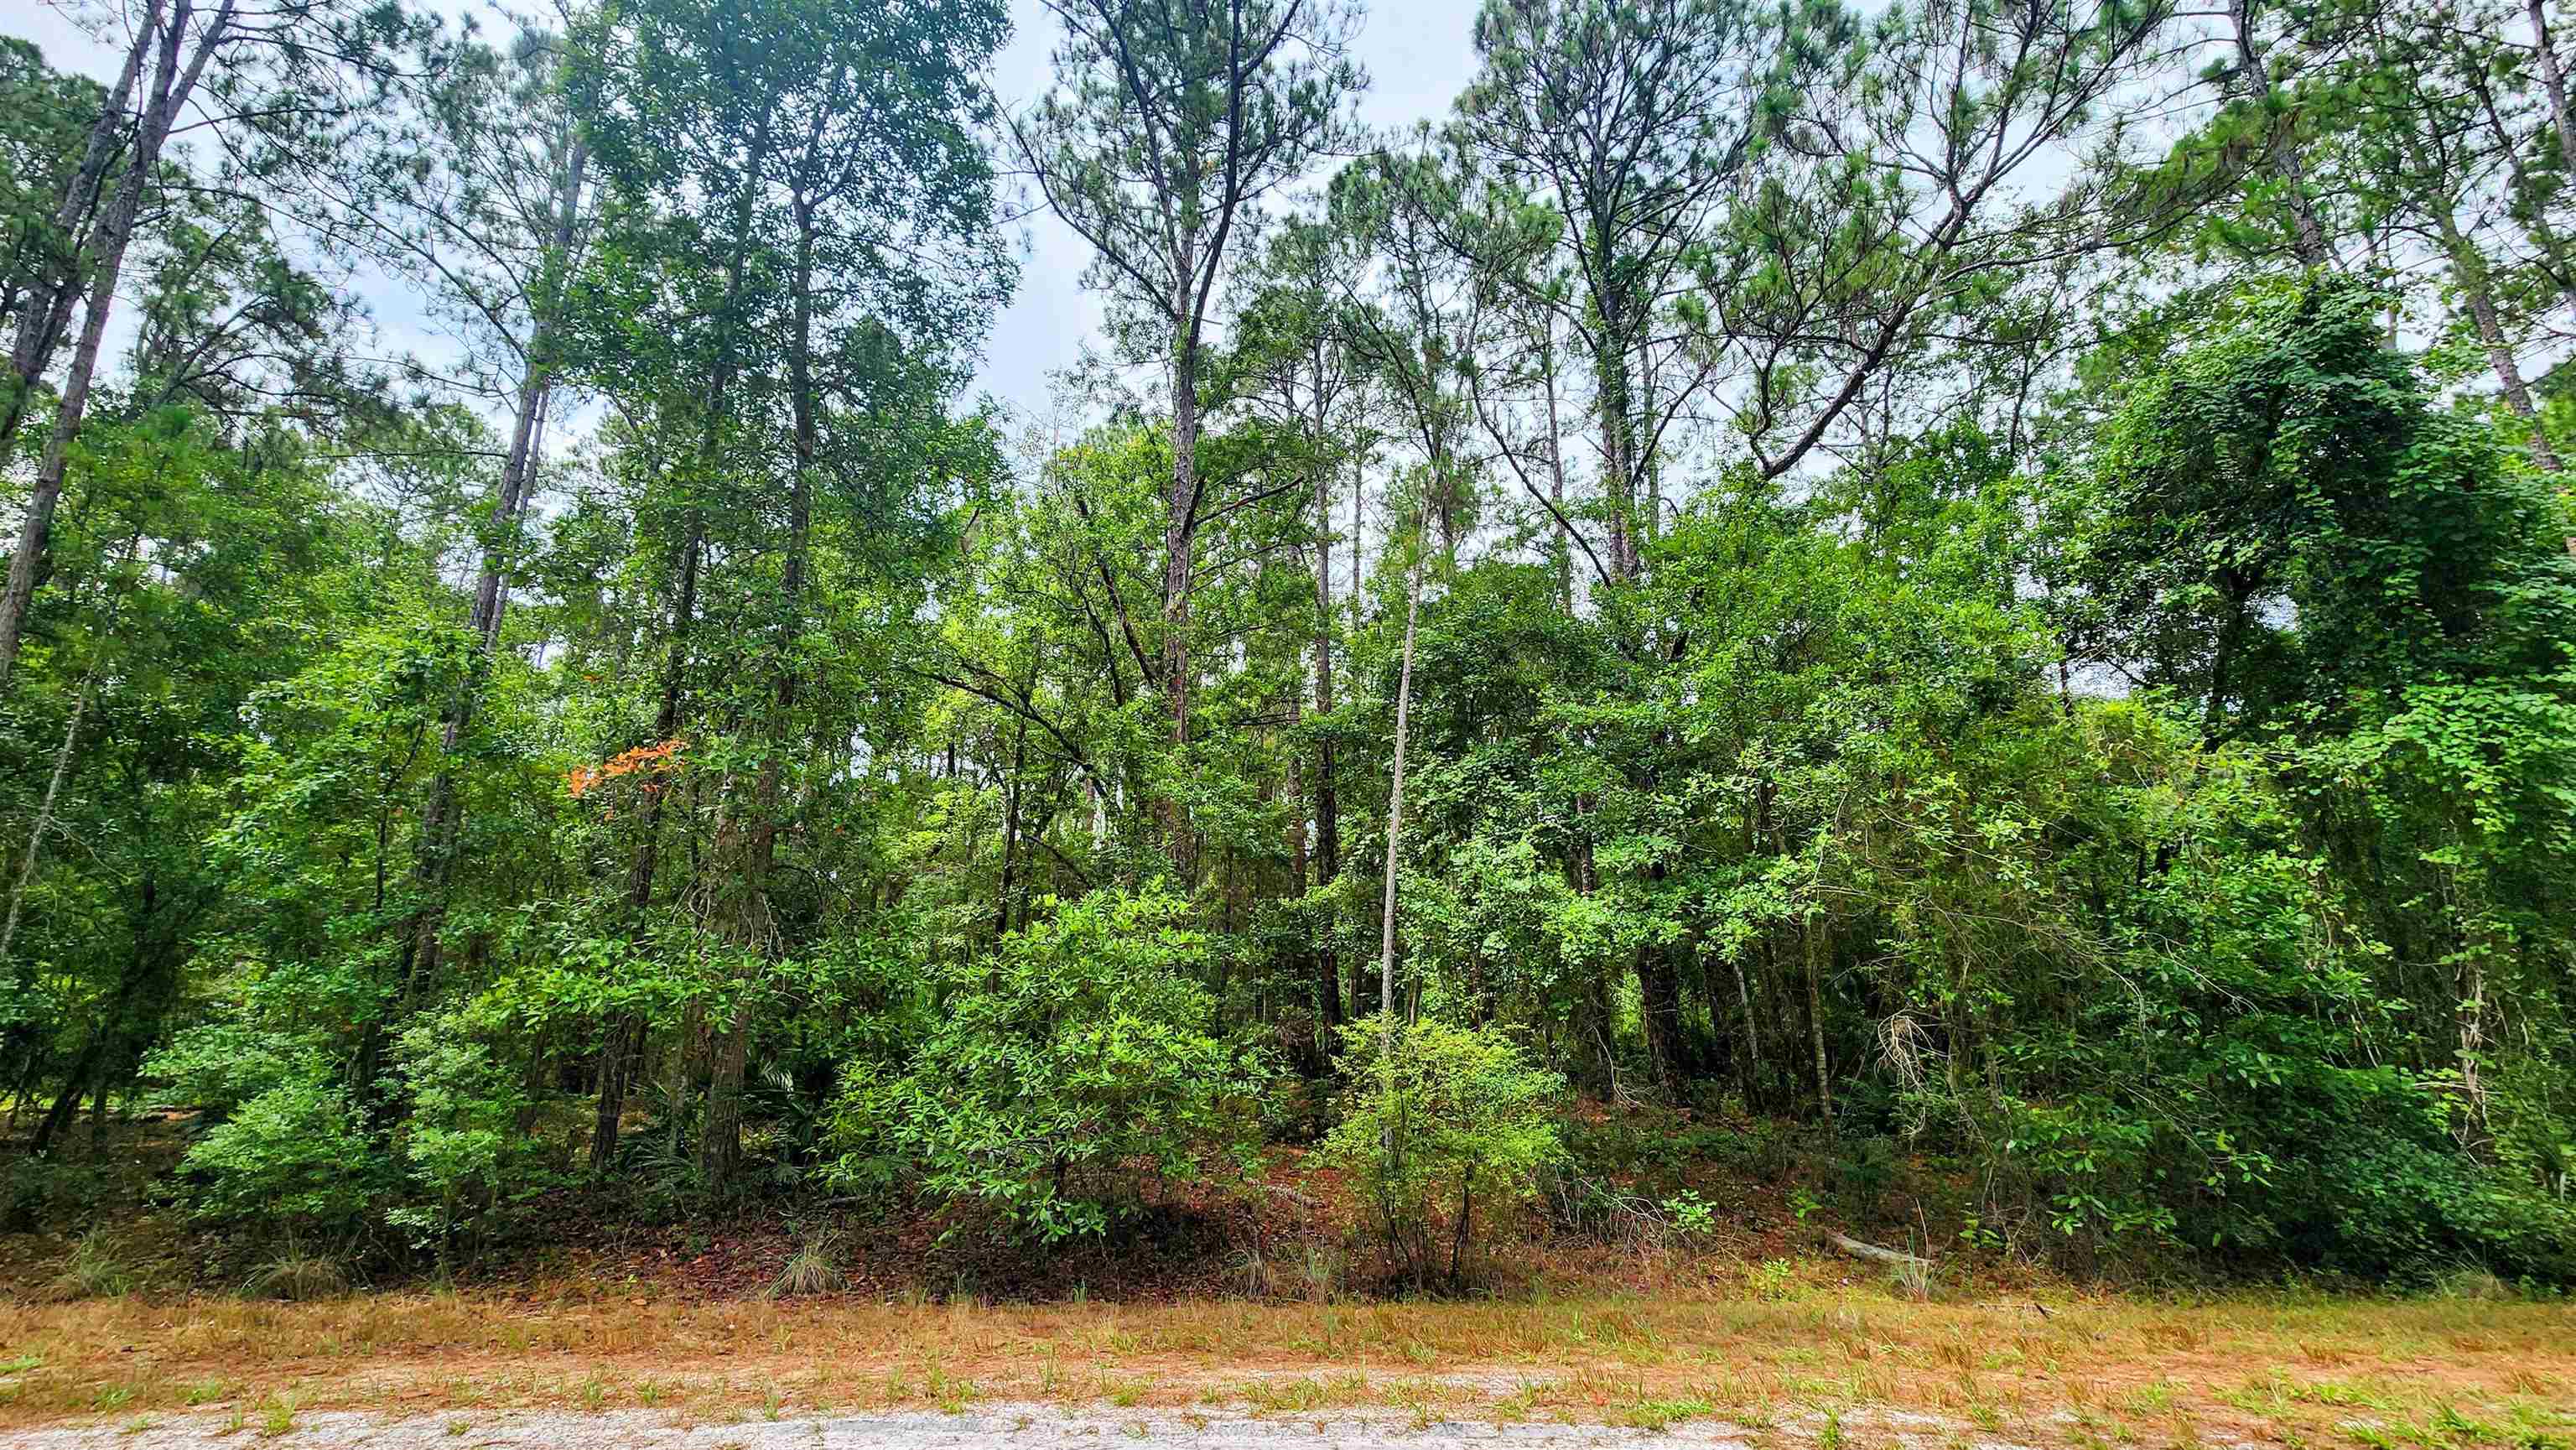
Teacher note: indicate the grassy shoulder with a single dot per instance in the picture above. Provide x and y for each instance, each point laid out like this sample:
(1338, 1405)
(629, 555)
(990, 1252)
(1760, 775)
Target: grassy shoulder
(2277, 1370)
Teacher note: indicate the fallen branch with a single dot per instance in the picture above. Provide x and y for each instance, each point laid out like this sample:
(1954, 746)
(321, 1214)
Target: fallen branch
(1859, 1250)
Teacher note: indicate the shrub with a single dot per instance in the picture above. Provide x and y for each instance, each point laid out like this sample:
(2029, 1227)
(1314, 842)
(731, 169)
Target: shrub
(1066, 1067)
(221, 1065)
(461, 1147)
(291, 1161)
(1439, 1118)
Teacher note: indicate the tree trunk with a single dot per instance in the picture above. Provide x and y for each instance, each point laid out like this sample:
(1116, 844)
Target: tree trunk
(620, 1054)
(752, 922)
(1395, 801)
(2469, 270)
(88, 1068)
(2553, 82)
(46, 310)
(1816, 953)
(442, 819)
(1328, 810)
(45, 813)
(2280, 151)
(172, 82)
(1180, 538)
(1752, 1075)
(1659, 1004)
(1618, 460)
(1556, 470)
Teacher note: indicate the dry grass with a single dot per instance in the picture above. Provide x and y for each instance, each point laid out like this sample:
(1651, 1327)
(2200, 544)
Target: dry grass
(2292, 1372)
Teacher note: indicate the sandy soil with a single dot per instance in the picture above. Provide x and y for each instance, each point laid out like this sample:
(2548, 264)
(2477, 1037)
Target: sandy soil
(992, 1427)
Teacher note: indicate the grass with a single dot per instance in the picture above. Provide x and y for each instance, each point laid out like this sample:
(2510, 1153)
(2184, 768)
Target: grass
(297, 1275)
(1798, 1349)
(813, 1269)
(101, 1265)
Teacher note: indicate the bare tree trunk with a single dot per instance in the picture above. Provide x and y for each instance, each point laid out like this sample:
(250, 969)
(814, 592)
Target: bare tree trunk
(1180, 539)
(1395, 794)
(751, 922)
(443, 817)
(1752, 1030)
(45, 813)
(1618, 461)
(2471, 1022)
(1328, 808)
(620, 1054)
(1816, 1017)
(1301, 881)
(88, 1071)
(2469, 271)
(1659, 1004)
(1556, 471)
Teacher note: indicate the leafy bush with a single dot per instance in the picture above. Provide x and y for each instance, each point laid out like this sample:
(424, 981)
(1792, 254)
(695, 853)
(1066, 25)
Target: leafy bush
(461, 1147)
(219, 1066)
(292, 1161)
(1065, 1068)
(1437, 1118)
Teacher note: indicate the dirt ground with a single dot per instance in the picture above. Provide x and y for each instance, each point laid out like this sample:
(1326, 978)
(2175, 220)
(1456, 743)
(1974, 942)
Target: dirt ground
(1794, 1359)
(998, 1427)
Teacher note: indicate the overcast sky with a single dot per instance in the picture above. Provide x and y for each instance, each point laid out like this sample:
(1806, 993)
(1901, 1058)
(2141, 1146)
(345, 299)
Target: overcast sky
(1418, 55)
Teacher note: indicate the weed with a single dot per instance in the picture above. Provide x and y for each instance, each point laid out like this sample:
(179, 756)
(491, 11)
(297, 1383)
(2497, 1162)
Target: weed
(276, 1416)
(1773, 1281)
(1320, 1270)
(2472, 1284)
(1664, 1414)
(298, 1276)
(102, 1265)
(815, 1268)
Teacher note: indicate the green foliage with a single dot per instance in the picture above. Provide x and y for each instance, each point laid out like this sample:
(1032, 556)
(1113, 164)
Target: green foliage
(1063, 1072)
(1440, 1122)
(218, 1066)
(291, 1163)
(461, 1146)
(2027, 679)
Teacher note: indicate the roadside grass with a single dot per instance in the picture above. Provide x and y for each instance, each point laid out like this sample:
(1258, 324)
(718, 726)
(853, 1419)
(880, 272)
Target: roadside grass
(1829, 1362)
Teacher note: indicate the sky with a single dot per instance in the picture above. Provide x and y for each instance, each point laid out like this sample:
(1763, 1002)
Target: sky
(1418, 54)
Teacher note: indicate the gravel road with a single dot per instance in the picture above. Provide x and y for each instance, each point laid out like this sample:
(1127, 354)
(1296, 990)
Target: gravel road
(995, 1427)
